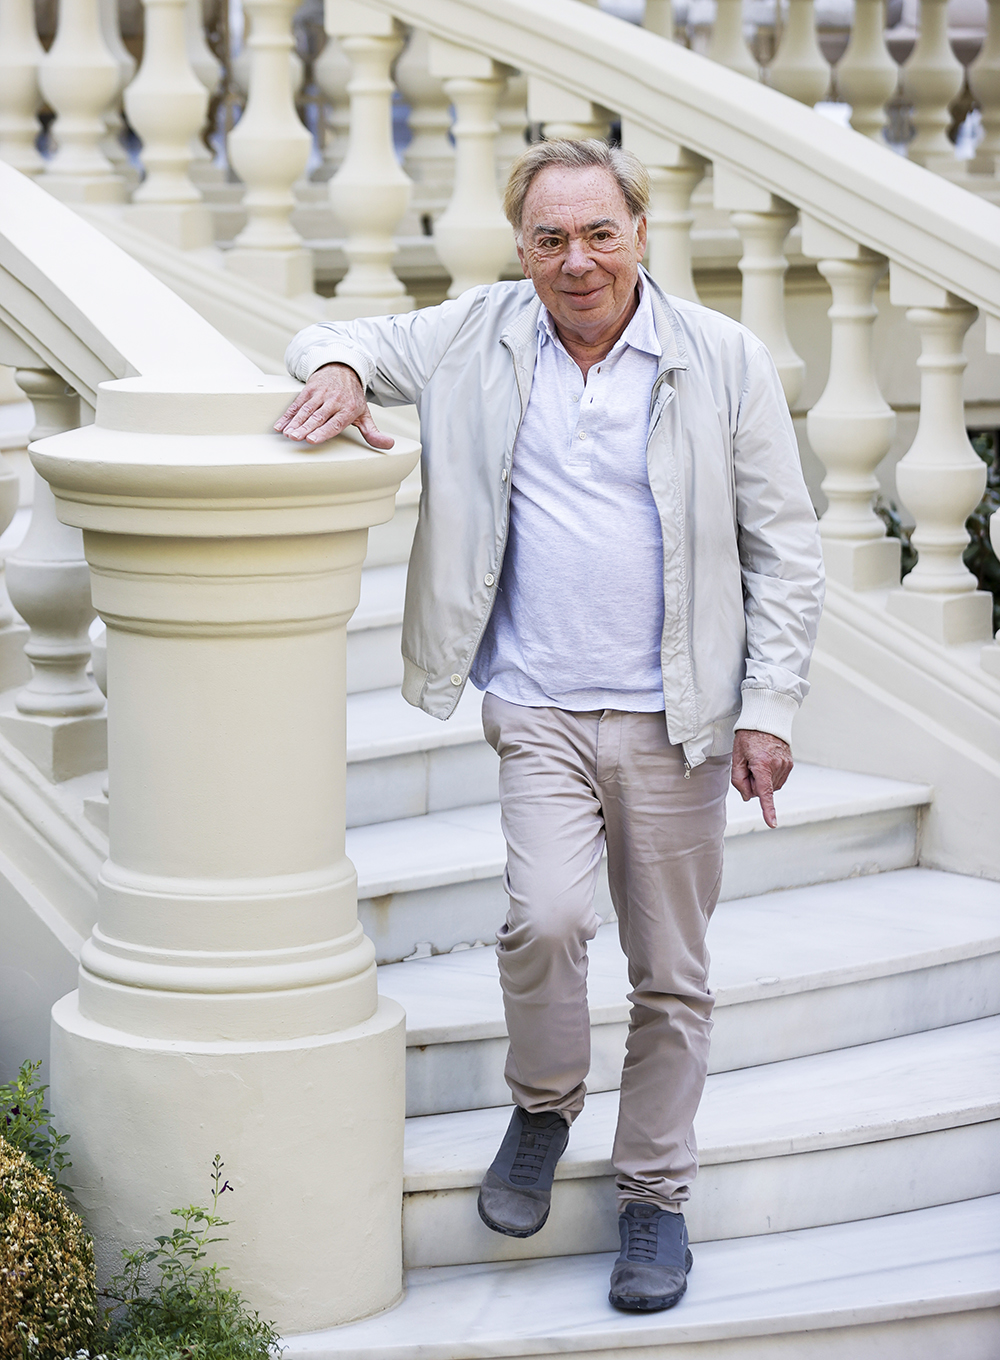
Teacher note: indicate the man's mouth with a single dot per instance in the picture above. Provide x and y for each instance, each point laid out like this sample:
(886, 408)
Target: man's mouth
(590, 292)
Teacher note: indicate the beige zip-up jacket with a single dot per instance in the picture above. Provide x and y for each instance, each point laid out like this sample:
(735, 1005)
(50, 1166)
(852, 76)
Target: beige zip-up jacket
(742, 567)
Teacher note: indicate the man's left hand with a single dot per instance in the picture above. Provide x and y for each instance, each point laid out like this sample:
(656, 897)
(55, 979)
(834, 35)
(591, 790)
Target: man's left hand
(761, 764)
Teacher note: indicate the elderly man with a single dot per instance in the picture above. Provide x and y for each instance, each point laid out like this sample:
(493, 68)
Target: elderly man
(615, 543)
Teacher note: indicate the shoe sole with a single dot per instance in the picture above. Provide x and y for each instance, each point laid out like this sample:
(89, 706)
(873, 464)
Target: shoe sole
(510, 1232)
(635, 1303)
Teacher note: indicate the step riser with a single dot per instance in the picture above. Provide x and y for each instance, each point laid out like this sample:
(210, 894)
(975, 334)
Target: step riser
(468, 1075)
(391, 542)
(465, 912)
(419, 782)
(374, 660)
(736, 1199)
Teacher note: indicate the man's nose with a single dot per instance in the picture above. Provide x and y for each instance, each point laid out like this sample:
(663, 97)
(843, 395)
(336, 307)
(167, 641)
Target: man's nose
(577, 259)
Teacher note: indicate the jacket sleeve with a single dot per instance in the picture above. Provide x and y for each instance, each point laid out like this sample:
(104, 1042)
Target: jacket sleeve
(780, 555)
(394, 356)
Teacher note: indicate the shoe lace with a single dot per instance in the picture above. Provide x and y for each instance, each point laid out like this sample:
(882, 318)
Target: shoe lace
(532, 1149)
(642, 1236)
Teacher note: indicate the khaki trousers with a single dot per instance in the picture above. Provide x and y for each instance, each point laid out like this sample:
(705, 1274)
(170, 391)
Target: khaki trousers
(571, 783)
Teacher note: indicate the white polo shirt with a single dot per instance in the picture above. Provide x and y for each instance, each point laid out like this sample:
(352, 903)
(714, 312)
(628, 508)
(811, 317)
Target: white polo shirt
(579, 610)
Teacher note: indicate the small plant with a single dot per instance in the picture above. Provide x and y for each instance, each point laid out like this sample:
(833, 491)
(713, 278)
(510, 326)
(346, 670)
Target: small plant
(25, 1123)
(169, 1305)
(48, 1297)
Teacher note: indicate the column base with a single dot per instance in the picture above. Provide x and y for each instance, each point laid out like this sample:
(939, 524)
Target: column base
(311, 1133)
(68, 189)
(352, 308)
(872, 564)
(62, 748)
(288, 272)
(188, 226)
(950, 619)
(15, 668)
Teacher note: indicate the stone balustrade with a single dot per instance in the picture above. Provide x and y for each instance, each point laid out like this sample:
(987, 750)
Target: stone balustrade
(447, 189)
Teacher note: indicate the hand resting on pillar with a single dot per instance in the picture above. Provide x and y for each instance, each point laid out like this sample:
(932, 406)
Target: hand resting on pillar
(332, 399)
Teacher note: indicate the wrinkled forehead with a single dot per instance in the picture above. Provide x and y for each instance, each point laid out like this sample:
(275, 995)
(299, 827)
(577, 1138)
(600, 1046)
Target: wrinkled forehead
(569, 198)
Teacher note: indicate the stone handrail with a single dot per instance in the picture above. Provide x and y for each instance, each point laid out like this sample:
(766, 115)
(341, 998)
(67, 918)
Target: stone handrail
(87, 308)
(918, 220)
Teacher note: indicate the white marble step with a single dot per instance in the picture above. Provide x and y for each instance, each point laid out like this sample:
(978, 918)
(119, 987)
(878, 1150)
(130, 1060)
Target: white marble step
(403, 763)
(913, 1286)
(881, 1128)
(374, 660)
(796, 972)
(427, 884)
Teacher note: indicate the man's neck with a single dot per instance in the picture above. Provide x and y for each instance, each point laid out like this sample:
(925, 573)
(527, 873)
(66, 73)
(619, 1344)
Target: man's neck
(586, 352)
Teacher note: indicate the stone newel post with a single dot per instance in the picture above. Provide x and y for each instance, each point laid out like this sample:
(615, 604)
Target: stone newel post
(227, 998)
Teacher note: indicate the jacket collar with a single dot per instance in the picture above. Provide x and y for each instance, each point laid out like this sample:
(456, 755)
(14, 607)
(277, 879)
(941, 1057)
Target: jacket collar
(521, 333)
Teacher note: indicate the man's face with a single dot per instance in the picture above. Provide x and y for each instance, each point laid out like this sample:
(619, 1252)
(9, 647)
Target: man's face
(581, 249)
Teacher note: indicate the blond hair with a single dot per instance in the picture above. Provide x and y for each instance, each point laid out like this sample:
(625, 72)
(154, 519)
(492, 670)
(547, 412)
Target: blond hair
(625, 169)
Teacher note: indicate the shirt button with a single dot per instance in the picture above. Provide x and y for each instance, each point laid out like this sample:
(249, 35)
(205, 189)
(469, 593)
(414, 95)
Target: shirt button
(456, 679)
(503, 474)
(489, 578)
(582, 434)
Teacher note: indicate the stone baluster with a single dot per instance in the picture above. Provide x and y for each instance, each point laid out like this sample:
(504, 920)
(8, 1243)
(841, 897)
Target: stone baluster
(269, 149)
(208, 69)
(114, 124)
(563, 114)
(851, 426)
(940, 479)
(512, 115)
(227, 974)
(800, 69)
(727, 45)
(167, 104)
(59, 717)
(472, 236)
(763, 222)
(79, 77)
(990, 655)
(202, 60)
(984, 77)
(429, 159)
(659, 17)
(370, 193)
(333, 71)
(866, 73)
(674, 174)
(20, 56)
(931, 78)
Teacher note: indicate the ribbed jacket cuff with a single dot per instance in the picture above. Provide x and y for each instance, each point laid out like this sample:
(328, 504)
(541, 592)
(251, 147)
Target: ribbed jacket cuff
(318, 355)
(767, 710)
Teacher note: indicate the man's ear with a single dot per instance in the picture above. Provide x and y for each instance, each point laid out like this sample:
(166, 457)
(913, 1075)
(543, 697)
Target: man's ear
(640, 237)
(521, 258)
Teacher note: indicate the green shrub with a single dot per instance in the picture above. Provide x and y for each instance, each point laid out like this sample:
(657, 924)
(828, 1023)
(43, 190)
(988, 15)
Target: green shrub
(48, 1298)
(170, 1305)
(26, 1123)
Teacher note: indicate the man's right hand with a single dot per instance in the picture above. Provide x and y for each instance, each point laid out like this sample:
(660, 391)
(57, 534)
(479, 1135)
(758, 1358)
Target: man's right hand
(332, 399)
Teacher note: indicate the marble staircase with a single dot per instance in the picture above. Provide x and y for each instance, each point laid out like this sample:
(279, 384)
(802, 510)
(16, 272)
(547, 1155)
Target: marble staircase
(849, 1197)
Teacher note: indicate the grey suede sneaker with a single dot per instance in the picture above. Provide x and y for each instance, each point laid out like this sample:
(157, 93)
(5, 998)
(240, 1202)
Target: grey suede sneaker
(516, 1192)
(651, 1271)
